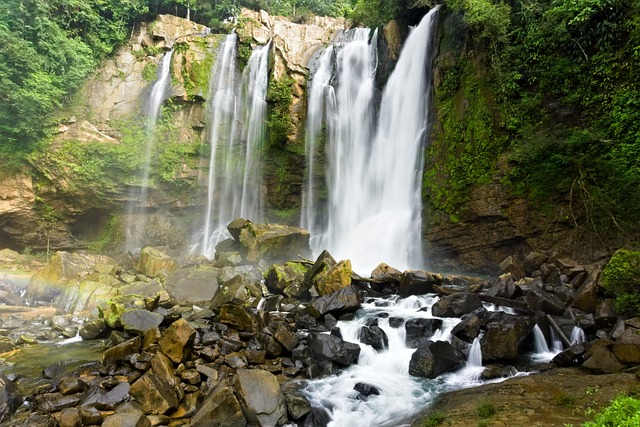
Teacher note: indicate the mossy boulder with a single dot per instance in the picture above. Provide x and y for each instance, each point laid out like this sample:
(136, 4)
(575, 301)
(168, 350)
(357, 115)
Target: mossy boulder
(81, 297)
(155, 263)
(288, 279)
(334, 278)
(192, 284)
(240, 290)
(271, 242)
(112, 309)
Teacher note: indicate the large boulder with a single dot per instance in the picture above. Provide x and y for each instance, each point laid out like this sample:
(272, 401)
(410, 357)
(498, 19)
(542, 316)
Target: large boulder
(288, 279)
(176, 340)
(627, 346)
(456, 305)
(239, 290)
(219, 409)
(10, 400)
(192, 285)
(271, 242)
(261, 397)
(416, 282)
(331, 348)
(334, 278)
(140, 321)
(419, 330)
(434, 358)
(238, 316)
(503, 335)
(155, 263)
(346, 300)
(154, 395)
(64, 267)
(80, 298)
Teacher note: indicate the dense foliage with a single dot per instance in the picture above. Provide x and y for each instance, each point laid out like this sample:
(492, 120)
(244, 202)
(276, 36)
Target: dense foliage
(624, 411)
(560, 88)
(621, 278)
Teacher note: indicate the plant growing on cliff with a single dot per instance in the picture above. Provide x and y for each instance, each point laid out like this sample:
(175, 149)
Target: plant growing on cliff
(621, 277)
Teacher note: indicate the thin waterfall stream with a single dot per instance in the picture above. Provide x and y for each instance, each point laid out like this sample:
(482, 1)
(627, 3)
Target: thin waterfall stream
(135, 229)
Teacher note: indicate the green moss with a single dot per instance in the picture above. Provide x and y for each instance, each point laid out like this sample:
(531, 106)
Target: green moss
(465, 145)
(622, 272)
(149, 72)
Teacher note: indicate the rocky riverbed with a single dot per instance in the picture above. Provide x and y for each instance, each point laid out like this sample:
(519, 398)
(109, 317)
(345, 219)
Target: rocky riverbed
(238, 339)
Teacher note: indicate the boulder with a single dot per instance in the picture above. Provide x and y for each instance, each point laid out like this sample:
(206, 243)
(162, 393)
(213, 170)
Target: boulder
(154, 395)
(120, 351)
(385, 273)
(286, 337)
(140, 321)
(219, 409)
(331, 348)
(111, 310)
(504, 287)
(503, 335)
(334, 278)
(261, 397)
(346, 300)
(324, 262)
(92, 329)
(70, 417)
(192, 285)
(469, 328)
(127, 415)
(237, 316)
(540, 300)
(297, 403)
(101, 399)
(533, 261)
(602, 361)
(176, 340)
(416, 282)
(10, 400)
(572, 356)
(64, 267)
(271, 242)
(514, 267)
(81, 297)
(366, 390)
(239, 290)
(586, 297)
(374, 336)
(151, 289)
(155, 263)
(627, 346)
(288, 279)
(434, 358)
(456, 305)
(420, 330)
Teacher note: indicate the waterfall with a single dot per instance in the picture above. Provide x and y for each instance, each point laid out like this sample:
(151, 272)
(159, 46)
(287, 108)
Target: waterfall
(556, 342)
(374, 173)
(319, 92)
(136, 227)
(475, 354)
(577, 335)
(539, 341)
(542, 351)
(236, 134)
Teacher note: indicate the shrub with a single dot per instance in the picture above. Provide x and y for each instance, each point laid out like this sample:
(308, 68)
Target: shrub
(624, 411)
(622, 273)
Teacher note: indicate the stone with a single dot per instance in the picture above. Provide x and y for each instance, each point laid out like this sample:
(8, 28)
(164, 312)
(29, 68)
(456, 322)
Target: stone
(602, 361)
(140, 321)
(237, 316)
(261, 397)
(420, 330)
(111, 309)
(586, 297)
(385, 273)
(288, 279)
(324, 262)
(71, 385)
(176, 340)
(240, 290)
(127, 415)
(503, 335)
(90, 416)
(219, 409)
(82, 297)
(151, 289)
(121, 351)
(469, 328)
(103, 400)
(374, 336)
(416, 282)
(504, 287)
(334, 278)
(456, 305)
(533, 261)
(541, 300)
(155, 263)
(70, 417)
(93, 329)
(366, 390)
(434, 358)
(192, 285)
(10, 400)
(325, 347)
(163, 368)
(572, 356)
(297, 404)
(56, 402)
(514, 267)
(271, 242)
(286, 337)
(627, 346)
(346, 300)
(154, 395)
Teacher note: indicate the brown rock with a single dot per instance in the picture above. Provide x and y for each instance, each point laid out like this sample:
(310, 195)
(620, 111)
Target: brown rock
(219, 409)
(627, 346)
(176, 340)
(334, 278)
(602, 361)
(154, 395)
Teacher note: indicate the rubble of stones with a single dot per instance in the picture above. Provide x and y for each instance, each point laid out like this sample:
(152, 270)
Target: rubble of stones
(232, 342)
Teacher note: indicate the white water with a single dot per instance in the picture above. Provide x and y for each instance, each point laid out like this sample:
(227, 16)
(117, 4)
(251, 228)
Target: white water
(556, 342)
(374, 176)
(136, 229)
(577, 335)
(401, 395)
(542, 351)
(236, 134)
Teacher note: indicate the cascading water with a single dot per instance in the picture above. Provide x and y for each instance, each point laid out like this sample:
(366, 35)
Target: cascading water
(542, 351)
(136, 229)
(577, 335)
(556, 342)
(234, 184)
(374, 176)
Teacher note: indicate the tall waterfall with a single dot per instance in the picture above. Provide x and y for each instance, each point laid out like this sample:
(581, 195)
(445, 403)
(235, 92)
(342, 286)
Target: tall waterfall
(374, 172)
(237, 113)
(136, 229)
